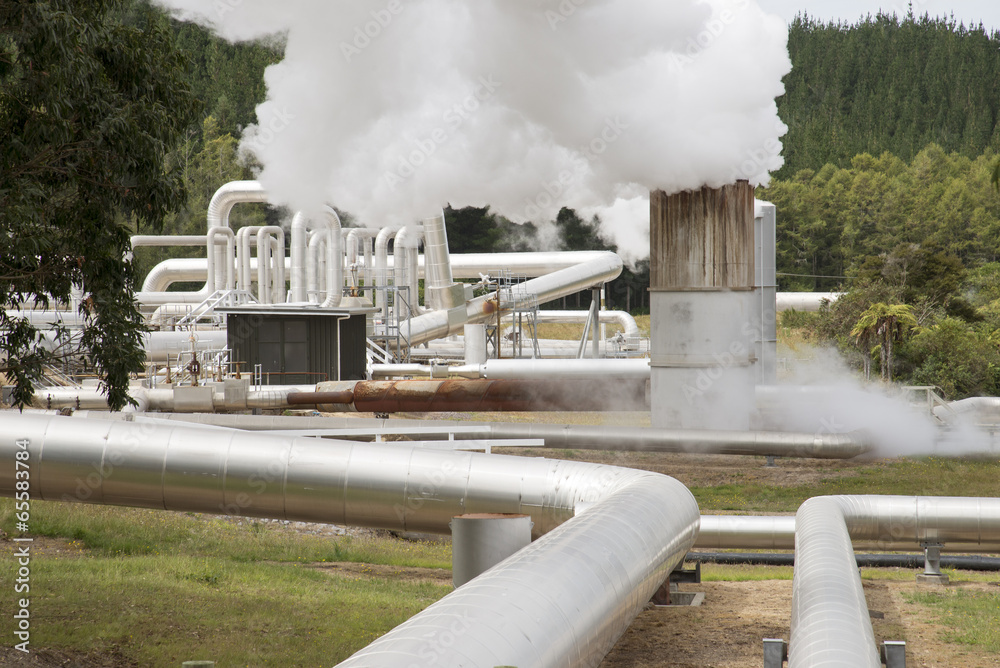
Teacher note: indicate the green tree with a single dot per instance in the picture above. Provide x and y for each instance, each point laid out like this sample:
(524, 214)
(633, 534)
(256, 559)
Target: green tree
(89, 107)
(958, 357)
(885, 324)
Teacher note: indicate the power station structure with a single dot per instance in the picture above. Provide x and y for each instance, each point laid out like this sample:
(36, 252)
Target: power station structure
(555, 558)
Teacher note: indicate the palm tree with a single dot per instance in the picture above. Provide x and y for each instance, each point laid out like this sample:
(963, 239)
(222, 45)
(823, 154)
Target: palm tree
(883, 324)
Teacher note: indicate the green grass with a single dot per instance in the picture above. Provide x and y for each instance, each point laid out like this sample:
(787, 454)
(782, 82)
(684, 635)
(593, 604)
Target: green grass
(111, 531)
(744, 573)
(160, 588)
(162, 610)
(929, 477)
(971, 617)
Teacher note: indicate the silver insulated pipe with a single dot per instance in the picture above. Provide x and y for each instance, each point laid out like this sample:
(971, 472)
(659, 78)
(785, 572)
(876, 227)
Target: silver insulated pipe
(611, 535)
(442, 290)
(830, 622)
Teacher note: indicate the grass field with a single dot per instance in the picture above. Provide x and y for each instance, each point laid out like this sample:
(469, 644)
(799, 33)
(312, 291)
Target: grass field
(156, 588)
(924, 477)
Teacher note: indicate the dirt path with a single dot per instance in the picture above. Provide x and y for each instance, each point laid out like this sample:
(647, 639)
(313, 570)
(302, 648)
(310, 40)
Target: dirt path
(728, 629)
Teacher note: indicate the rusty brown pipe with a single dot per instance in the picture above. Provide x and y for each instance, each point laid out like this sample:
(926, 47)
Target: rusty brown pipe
(459, 395)
(317, 398)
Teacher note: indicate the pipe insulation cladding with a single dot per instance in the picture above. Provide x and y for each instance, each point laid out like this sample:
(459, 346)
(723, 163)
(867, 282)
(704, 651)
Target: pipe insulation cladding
(607, 537)
(830, 622)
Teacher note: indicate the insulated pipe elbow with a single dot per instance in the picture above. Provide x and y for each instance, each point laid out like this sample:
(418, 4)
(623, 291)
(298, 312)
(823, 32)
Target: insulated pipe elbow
(228, 196)
(334, 259)
(612, 535)
(600, 268)
(404, 255)
(830, 621)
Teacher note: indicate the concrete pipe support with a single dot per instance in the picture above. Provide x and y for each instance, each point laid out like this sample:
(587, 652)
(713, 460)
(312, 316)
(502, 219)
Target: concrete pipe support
(702, 276)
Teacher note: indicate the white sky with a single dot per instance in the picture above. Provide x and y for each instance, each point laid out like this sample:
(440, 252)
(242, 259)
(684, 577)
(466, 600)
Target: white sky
(967, 11)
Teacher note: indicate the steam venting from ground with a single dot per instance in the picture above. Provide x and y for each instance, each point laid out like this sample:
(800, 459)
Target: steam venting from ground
(391, 108)
(825, 397)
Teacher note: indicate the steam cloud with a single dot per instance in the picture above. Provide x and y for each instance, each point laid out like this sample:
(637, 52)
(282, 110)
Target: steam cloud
(391, 108)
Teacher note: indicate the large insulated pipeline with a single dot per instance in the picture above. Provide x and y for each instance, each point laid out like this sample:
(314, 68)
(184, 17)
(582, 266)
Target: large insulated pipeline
(466, 265)
(601, 269)
(418, 396)
(611, 535)
(830, 621)
(581, 437)
(745, 532)
(718, 442)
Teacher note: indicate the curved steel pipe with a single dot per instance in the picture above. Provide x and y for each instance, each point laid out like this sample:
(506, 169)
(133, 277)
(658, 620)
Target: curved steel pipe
(830, 621)
(465, 265)
(438, 324)
(404, 255)
(804, 301)
(612, 534)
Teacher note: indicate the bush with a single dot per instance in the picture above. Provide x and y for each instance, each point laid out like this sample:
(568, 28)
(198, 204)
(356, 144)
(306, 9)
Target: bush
(958, 357)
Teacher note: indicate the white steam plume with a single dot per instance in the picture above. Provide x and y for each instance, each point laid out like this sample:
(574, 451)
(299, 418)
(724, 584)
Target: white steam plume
(391, 108)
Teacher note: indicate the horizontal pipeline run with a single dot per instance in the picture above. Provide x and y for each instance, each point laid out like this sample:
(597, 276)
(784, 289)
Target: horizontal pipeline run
(962, 562)
(418, 396)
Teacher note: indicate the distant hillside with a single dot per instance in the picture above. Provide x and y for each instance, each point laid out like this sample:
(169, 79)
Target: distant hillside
(889, 84)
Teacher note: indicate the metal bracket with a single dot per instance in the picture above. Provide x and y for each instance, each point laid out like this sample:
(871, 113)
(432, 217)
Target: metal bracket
(894, 653)
(775, 652)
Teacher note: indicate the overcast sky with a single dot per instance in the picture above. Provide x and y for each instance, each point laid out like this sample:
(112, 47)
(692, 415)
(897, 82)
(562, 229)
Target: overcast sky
(968, 11)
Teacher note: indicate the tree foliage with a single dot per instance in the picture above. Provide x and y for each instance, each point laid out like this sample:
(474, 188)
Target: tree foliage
(962, 359)
(888, 84)
(89, 107)
(883, 325)
(833, 221)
